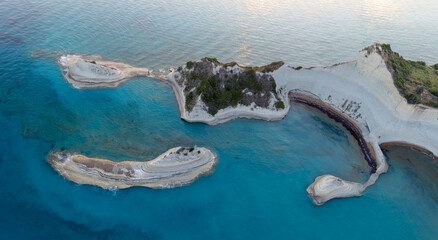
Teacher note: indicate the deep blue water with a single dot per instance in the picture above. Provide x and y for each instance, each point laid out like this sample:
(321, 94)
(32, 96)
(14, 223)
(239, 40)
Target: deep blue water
(258, 188)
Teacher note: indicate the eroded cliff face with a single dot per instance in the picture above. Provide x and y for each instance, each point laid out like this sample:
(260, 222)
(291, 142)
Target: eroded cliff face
(220, 85)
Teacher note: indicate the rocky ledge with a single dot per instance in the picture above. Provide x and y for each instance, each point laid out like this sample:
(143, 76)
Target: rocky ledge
(327, 187)
(177, 167)
(91, 71)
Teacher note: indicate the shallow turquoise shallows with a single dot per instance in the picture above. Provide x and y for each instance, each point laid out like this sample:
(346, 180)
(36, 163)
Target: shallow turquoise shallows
(257, 190)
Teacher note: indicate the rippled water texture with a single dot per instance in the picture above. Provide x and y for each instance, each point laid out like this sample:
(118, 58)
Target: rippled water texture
(258, 188)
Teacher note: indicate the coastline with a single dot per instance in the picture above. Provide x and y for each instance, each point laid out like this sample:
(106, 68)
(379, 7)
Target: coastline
(359, 94)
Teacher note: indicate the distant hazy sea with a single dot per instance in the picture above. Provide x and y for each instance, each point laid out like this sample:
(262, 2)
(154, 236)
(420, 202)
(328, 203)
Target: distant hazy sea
(258, 188)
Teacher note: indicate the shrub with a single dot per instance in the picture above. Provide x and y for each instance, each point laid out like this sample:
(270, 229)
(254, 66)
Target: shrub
(386, 47)
(227, 96)
(213, 111)
(213, 60)
(400, 83)
(267, 69)
(189, 98)
(236, 95)
(193, 76)
(418, 64)
(249, 80)
(280, 104)
(412, 98)
(200, 89)
(189, 64)
(433, 104)
(434, 91)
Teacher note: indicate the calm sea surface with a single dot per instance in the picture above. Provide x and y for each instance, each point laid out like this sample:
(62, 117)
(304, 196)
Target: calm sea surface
(258, 188)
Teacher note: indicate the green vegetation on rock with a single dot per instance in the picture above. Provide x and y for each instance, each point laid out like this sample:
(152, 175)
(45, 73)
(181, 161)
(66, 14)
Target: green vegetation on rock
(264, 69)
(434, 91)
(189, 98)
(412, 98)
(274, 87)
(220, 87)
(220, 98)
(415, 80)
(433, 104)
(280, 104)
(269, 68)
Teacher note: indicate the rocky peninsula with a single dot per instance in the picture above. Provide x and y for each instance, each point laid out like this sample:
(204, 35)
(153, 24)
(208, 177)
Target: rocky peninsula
(176, 167)
(91, 71)
(371, 97)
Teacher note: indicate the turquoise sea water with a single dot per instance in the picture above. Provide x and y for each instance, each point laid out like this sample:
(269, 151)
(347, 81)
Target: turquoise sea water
(258, 188)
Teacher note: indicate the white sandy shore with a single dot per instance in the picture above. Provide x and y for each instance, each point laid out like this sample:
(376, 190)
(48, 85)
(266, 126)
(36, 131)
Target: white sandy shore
(176, 167)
